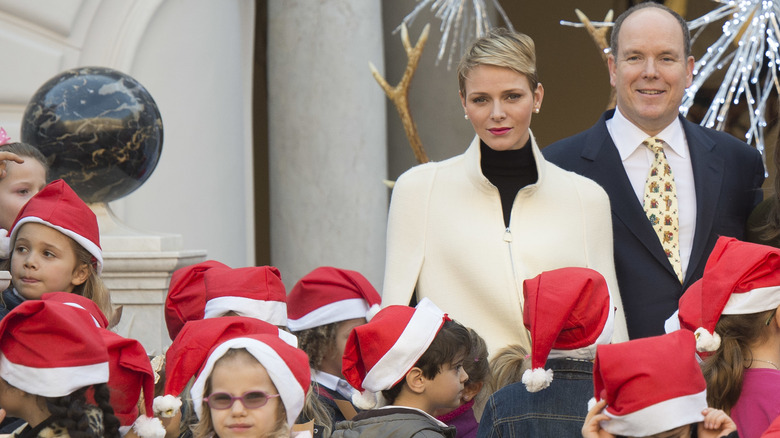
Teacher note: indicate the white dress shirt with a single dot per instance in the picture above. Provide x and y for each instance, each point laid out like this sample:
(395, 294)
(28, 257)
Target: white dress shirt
(334, 383)
(637, 160)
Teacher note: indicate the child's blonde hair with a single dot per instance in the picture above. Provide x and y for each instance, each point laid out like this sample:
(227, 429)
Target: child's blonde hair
(508, 366)
(205, 427)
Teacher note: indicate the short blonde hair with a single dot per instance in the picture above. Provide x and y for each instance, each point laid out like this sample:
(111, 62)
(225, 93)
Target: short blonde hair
(501, 48)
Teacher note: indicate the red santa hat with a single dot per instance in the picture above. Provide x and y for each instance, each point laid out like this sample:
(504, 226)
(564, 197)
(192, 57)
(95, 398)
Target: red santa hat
(190, 349)
(651, 385)
(380, 353)
(51, 349)
(327, 295)
(256, 292)
(739, 278)
(287, 366)
(130, 374)
(59, 207)
(187, 295)
(79, 302)
(568, 311)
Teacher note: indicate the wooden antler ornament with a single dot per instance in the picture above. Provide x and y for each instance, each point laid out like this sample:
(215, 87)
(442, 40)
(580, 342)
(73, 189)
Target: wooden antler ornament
(399, 94)
(599, 36)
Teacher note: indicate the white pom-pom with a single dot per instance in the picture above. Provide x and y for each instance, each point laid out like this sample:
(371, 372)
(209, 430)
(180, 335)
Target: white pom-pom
(365, 400)
(149, 427)
(592, 402)
(537, 379)
(166, 406)
(5, 244)
(706, 341)
(372, 311)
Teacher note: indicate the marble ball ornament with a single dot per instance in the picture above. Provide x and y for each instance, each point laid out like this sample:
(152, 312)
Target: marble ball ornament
(100, 130)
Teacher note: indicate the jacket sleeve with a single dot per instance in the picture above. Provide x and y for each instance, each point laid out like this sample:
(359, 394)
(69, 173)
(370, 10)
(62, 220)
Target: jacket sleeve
(406, 227)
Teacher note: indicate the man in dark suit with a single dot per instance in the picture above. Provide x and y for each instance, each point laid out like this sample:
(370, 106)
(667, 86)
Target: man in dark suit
(717, 177)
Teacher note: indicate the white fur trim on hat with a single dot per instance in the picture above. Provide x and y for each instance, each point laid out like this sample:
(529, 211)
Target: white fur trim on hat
(149, 427)
(372, 311)
(706, 341)
(290, 390)
(659, 417)
(97, 324)
(288, 338)
(272, 312)
(537, 379)
(415, 339)
(757, 300)
(89, 245)
(52, 382)
(166, 406)
(330, 313)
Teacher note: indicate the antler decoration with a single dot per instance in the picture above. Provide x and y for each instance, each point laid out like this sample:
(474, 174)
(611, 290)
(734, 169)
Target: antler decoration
(399, 94)
(599, 37)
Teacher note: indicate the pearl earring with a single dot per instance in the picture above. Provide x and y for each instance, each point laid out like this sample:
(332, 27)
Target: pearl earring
(466, 116)
(536, 110)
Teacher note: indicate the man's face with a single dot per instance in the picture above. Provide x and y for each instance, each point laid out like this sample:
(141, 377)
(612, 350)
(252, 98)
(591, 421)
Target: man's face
(650, 71)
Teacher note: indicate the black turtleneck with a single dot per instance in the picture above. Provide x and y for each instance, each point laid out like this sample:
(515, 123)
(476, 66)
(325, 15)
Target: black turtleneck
(509, 171)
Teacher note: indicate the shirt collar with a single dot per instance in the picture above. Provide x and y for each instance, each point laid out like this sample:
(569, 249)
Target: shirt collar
(334, 383)
(628, 137)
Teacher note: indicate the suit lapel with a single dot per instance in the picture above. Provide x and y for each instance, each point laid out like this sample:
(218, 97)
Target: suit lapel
(609, 172)
(708, 171)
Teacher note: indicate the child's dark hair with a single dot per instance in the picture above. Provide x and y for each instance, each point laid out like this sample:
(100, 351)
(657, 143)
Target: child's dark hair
(71, 412)
(29, 151)
(450, 345)
(317, 342)
(724, 370)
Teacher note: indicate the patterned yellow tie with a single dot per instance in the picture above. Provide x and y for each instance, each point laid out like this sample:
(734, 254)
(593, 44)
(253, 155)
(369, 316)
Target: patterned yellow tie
(660, 203)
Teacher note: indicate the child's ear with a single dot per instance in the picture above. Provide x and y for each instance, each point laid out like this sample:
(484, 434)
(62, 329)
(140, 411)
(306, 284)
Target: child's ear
(415, 380)
(80, 274)
(471, 390)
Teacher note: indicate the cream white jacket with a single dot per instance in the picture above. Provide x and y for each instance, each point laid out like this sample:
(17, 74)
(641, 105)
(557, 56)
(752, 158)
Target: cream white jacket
(446, 236)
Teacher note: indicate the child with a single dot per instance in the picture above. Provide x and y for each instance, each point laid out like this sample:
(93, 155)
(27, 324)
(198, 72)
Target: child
(130, 372)
(322, 309)
(253, 385)
(187, 354)
(55, 247)
(186, 296)
(569, 312)
(25, 175)
(464, 418)
(51, 354)
(733, 309)
(414, 356)
(652, 387)
(211, 289)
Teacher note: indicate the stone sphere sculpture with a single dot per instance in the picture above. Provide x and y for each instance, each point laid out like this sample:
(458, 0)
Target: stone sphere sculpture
(100, 130)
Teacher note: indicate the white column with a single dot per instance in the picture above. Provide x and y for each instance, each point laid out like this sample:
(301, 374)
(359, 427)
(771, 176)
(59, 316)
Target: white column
(327, 137)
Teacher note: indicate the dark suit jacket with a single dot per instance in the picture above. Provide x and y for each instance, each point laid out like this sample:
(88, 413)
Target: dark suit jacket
(728, 175)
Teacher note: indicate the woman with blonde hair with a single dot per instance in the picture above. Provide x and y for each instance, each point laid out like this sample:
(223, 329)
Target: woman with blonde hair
(468, 230)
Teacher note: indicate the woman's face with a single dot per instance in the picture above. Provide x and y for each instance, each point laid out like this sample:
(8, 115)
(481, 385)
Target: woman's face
(236, 376)
(499, 102)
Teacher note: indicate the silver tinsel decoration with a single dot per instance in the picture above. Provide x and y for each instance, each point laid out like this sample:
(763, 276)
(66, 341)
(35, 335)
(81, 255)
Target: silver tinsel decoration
(749, 41)
(461, 20)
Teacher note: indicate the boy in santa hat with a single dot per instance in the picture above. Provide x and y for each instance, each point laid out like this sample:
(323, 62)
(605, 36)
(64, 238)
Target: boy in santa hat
(653, 387)
(322, 309)
(568, 312)
(414, 357)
